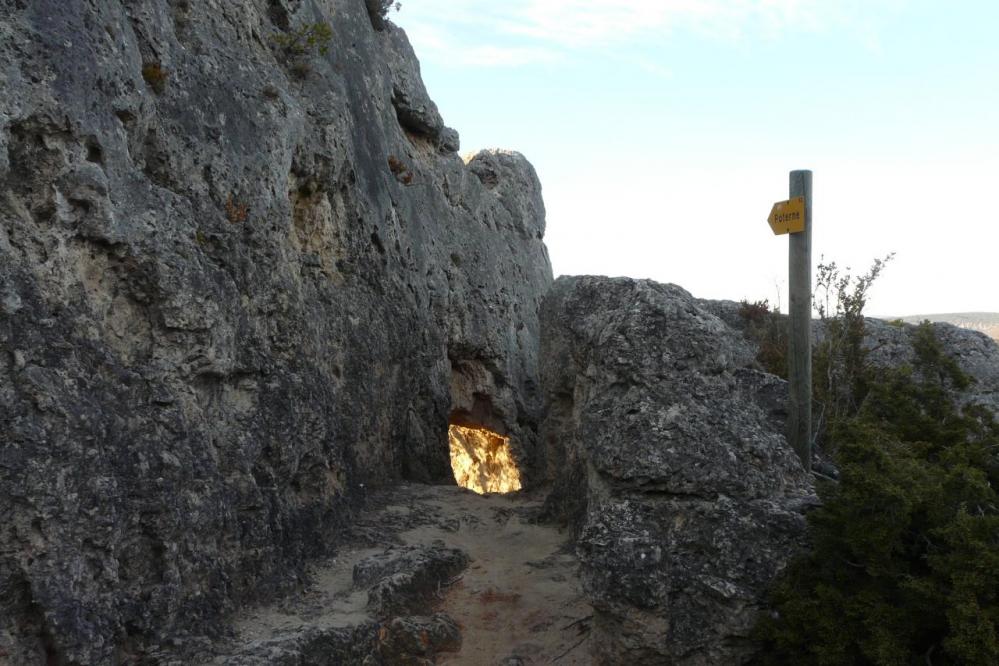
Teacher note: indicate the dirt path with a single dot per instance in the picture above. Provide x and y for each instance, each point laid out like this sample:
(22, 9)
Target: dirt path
(518, 602)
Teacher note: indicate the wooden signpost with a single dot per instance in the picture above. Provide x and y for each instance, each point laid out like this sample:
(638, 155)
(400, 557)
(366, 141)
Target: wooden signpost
(794, 217)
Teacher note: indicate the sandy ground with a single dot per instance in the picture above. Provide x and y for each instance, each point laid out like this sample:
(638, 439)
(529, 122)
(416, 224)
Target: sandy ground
(519, 603)
(520, 598)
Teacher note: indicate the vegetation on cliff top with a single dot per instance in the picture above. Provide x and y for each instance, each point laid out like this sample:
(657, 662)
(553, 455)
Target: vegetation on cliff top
(905, 547)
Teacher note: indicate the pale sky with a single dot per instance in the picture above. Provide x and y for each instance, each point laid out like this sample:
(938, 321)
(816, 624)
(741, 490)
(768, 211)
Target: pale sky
(664, 130)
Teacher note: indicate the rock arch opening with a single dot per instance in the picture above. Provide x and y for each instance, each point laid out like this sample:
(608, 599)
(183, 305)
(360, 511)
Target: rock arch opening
(482, 460)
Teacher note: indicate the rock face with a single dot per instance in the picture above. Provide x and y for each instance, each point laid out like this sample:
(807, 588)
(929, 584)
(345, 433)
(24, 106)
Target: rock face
(670, 464)
(975, 352)
(239, 283)
(984, 322)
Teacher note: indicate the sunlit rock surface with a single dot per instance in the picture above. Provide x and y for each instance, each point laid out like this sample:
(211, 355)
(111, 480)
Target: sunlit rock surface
(236, 290)
(482, 461)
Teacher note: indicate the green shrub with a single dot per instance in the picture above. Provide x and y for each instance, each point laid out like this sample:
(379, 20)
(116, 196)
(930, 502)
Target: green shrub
(905, 558)
(839, 360)
(310, 38)
(378, 11)
(297, 46)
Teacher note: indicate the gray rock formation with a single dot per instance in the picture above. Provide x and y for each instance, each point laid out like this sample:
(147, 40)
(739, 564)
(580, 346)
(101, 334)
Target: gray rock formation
(669, 463)
(890, 344)
(405, 581)
(976, 354)
(985, 322)
(236, 288)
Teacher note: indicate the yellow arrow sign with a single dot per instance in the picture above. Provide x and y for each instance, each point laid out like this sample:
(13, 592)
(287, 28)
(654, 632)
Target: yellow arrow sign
(788, 217)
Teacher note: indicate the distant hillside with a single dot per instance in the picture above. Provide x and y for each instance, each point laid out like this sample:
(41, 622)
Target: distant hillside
(986, 322)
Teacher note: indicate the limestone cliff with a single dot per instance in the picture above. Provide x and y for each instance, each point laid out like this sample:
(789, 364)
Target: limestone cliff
(242, 279)
(245, 279)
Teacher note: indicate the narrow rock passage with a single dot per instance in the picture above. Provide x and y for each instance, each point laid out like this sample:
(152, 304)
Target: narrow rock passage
(517, 602)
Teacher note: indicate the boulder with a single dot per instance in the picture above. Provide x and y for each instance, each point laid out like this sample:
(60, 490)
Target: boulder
(669, 464)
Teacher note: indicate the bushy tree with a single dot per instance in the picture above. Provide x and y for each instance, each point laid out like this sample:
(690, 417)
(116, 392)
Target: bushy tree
(296, 47)
(904, 567)
(840, 372)
(306, 40)
(378, 10)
